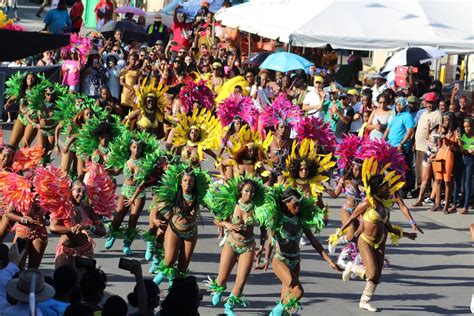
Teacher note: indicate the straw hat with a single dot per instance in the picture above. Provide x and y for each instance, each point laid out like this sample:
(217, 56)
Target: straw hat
(19, 288)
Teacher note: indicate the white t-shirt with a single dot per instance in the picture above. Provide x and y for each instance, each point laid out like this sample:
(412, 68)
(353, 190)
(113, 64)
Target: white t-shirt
(264, 96)
(356, 124)
(421, 141)
(54, 4)
(313, 98)
(376, 91)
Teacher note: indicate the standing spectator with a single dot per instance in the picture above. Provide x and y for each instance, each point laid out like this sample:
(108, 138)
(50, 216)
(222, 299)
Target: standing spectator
(113, 74)
(313, 102)
(71, 70)
(76, 16)
(47, 59)
(348, 75)
(103, 10)
(57, 21)
(93, 75)
(344, 118)
(378, 119)
(64, 281)
(356, 123)
(430, 117)
(157, 31)
(379, 87)
(11, 5)
(128, 79)
(399, 133)
(93, 284)
(42, 7)
(182, 32)
(467, 145)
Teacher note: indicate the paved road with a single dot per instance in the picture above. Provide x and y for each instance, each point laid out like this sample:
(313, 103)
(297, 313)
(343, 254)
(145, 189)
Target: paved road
(432, 275)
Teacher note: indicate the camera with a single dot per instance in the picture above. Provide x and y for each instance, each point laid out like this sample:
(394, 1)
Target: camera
(84, 263)
(125, 264)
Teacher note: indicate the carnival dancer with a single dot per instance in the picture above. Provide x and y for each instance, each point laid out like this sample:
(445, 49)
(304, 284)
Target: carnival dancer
(233, 113)
(182, 191)
(281, 117)
(6, 162)
(289, 215)
(379, 186)
(16, 90)
(151, 105)
(196, 134)
(126, 153)
(234, 206)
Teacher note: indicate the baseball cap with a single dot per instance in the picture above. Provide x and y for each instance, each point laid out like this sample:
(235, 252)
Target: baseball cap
(318, 79)
(412, 99)
(353, 92)
(159, 42)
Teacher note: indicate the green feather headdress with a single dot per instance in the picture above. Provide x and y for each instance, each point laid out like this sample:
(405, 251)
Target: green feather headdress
(148, 164)
(13, 85)
(271, 213)
(168, 188)
(35, 95)
(221, 199)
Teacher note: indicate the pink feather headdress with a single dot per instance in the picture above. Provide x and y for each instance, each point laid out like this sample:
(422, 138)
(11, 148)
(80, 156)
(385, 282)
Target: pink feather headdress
(100, 189)
(236, 105)
(317, 130)
(16, 190)
(384, 153)
(81, 43)
(53, 188)
(347, 150)
(196, 92)
(281, 111)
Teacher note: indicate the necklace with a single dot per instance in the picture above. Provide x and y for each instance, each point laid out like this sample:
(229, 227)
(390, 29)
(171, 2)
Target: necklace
(104, 149)
(188, 197)
(245, 206)
(301, 181)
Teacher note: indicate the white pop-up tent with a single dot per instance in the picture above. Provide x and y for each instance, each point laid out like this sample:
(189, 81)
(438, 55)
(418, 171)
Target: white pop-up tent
(358, 24)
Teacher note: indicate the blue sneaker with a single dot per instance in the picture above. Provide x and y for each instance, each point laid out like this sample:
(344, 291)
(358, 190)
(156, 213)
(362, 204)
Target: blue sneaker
(127, 250)
(155, 264)
(150, 246)
(159, 278)
(109, 242)
(216, 298)
(278, 310)
(229, 309)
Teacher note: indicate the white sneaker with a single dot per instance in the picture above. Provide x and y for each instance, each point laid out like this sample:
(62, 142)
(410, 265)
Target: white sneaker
(304, 241)
(9, 121)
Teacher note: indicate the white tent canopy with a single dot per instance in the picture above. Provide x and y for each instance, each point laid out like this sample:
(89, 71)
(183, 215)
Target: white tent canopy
(361, 24)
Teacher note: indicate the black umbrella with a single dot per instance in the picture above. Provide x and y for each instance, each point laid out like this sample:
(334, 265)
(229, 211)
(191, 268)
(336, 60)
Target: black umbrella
(259, 58)
(18, 44)
(131, 30)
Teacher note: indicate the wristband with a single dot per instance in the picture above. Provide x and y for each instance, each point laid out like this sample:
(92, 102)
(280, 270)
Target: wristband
(412, 222)
(24, 220)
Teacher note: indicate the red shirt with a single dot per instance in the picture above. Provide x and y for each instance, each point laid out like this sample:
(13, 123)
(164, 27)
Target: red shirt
(76, 11)
(179, 29)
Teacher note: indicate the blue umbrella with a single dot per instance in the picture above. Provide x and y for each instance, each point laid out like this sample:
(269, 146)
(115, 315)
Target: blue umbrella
(285, 62)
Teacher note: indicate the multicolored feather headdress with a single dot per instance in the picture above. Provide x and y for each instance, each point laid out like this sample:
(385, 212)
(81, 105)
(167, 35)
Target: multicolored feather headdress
(196, 93)
(247, 137)
(347, 151)
(79, 43)
(317, 130)
(100, 189)
(27, 158)
(236, 105)
(281, 111)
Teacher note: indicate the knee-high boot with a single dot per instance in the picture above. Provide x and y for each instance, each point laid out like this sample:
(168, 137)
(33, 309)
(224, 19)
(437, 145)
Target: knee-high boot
(367, 294)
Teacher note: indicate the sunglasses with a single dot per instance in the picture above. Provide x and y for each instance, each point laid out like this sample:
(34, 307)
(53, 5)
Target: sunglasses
(48, 94)
(318, 82)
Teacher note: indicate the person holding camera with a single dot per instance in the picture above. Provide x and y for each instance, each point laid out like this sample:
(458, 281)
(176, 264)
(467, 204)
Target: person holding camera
(77, 230)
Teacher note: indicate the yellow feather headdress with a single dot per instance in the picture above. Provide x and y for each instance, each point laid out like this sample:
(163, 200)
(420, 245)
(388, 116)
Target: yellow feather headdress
(208, 126)
(247, 137)
(306, 150)
(157, 91)
(370, 168)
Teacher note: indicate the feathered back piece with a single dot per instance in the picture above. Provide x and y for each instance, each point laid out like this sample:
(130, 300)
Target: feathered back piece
(171, 180)
(347, 150)
(305, 151)
(221, 199)
(384, 153)
(370, 168)
(13, 85)
(281, 111)
(100, 189)
(16, 190)
(153, 90)
(120, 147)
(153, 164)
(27, 158)
(209, 128)
(247, 137)
(196, 92)
(80, 43)
(234, 106)
(316, 129)
(227, 89)
(271, 213)
(53, 188)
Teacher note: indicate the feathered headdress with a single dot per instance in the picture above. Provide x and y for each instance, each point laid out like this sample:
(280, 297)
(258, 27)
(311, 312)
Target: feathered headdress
(317, 130)
(221, 199)
(306, 152)
(53, 188)
(234, 106)
(13, 85)
(100, 189)
(209, 128)
(155, 91)
(168, 189)
(80, 43)
(35, 95)
(347, 150)
(281, 111)
(247, 137)
(153, 164)
(271, 213)
(370, 168)
(8, 24)
(196, 92)
(228, 87)
(16, 190)
(384, 153)
(27, 158)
